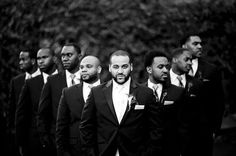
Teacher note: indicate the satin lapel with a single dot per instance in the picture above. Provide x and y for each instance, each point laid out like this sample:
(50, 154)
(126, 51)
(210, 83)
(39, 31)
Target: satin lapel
(80, 92)
(133, 86)
(108, 94)
(64, 83)
(200, 68)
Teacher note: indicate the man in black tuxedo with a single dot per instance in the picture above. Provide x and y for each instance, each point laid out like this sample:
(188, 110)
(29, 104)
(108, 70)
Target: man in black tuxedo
(52, 90)
(212, 105)
(168, 96)
(71, 106)
(27, 63)
(120, 117)
(26, 110)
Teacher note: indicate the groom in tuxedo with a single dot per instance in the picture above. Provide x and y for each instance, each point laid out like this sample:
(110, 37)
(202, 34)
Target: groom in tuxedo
(120, 117)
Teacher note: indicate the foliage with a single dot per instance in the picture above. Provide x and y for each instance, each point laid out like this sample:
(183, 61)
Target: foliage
(102, 26)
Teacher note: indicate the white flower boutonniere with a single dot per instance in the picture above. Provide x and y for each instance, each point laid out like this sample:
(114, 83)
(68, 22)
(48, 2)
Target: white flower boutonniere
(132, 101)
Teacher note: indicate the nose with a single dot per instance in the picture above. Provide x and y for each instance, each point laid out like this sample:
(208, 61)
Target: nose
(120, 70)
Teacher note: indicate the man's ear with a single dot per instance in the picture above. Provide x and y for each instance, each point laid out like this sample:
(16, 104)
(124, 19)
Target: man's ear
(99, 69)
(184, 46)
(174, 60)
(33, 61)
(131, 67)
(109, 68)
(149, 69)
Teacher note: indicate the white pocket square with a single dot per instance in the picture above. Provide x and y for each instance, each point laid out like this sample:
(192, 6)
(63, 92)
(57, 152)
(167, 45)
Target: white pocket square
(168, 102)
(205, 80)
(193, 95)
(138, 107)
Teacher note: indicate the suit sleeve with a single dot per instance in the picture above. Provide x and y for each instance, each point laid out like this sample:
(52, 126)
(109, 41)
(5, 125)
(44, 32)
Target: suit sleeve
(155, 126)
(11, 107)
(22, 116)
(88, 127)
(217, 99)
(44, 110)
(62, 124)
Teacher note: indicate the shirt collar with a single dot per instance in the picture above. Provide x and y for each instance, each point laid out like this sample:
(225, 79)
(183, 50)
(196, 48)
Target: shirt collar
(77, 74)
(173, 76)
(126, 85)
(94, 84)
(45, 75)
(153, 85)
(36, 73)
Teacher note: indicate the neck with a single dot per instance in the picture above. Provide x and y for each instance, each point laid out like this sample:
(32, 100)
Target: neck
(176, 71)
(72, 71)
(32, 70)
(50, 70)
(153, 80)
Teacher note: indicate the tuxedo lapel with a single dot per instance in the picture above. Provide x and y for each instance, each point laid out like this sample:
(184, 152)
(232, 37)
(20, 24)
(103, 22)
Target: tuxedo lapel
(133, 86)
(108, 94)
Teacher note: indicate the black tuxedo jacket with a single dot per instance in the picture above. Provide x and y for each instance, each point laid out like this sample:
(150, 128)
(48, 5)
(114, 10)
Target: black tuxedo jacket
(48, 104)
(212, 93)
(171, 99)
(14, 93)
(27, 108)
(101, 133)
(68, 120)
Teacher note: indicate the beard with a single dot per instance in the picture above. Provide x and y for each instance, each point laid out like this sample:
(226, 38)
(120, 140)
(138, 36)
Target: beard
(89, 78)
(121, 80)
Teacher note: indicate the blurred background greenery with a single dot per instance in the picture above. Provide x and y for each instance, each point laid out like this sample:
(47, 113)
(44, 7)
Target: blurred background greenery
(102, 26)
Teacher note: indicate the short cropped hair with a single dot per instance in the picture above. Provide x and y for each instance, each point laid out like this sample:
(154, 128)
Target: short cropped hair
(76, 46)
(121, 53)
(177, 52)
(32, 53)
(186, 38)
(149, 57)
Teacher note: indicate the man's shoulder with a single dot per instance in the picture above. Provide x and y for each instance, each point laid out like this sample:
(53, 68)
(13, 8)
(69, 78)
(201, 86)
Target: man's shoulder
(73, 88)
(19, 77)
(56, 77)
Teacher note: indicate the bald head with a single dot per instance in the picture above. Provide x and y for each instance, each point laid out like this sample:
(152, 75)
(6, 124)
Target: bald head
(90, 69)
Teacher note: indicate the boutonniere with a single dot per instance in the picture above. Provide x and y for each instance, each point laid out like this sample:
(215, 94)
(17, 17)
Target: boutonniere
(163, 96)
(190, 85)
(132, 101)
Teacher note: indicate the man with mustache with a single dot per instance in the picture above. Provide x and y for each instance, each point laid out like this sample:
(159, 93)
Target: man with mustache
(26, 111)
(51, 94)
(27, 63)
(71, 106)
(120, 117)
(168, 96)
(208, 116)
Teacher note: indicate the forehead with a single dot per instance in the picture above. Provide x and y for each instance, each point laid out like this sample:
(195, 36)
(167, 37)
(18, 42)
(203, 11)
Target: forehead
(24, 54)
(43, 52)
(89, 60)
(195, 39)
(68, 49)
(160, 60)
(186, 54)
(119, 59)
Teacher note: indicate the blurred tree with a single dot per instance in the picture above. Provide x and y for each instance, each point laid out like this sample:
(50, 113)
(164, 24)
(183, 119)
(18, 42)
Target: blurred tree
(102, 26)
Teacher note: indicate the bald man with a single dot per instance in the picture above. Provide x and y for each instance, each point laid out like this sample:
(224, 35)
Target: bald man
(71, 106)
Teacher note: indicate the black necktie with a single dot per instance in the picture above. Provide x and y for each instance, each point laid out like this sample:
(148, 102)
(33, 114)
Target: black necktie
(72, 79)
(155, 87)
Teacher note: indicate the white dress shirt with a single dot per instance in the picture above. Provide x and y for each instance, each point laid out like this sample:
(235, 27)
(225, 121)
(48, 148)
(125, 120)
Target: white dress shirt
(158, 87)
(120, 95)
(174, 80)
(69, 80)
(29, 76)
(45, 75)
(87, 88)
